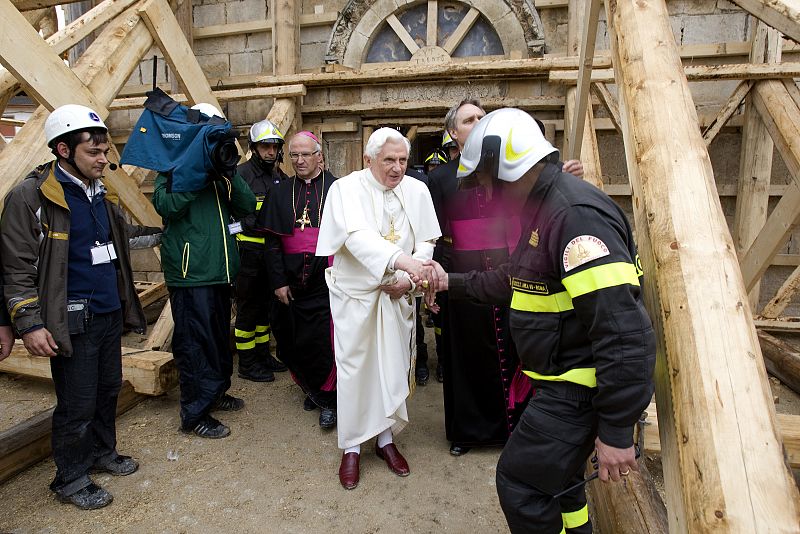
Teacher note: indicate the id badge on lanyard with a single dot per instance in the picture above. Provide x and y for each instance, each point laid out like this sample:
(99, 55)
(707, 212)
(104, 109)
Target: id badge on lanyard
(103, 253)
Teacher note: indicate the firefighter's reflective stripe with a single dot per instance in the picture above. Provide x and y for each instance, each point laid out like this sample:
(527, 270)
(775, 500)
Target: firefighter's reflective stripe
(557, 302)
(601, 277)
(260, 240)
(245, 334)
(241, 237)
(263, 330)
(577, 518)
(437, 331)
(583, 376)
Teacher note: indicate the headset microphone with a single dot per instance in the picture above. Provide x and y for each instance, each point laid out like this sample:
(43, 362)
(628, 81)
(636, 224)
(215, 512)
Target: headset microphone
(112, 166)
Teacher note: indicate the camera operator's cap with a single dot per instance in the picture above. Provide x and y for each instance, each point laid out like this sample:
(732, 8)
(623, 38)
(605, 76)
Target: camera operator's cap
(506, 143)
(447, 141)
(71, 118)
(208, 110)
(266, 132)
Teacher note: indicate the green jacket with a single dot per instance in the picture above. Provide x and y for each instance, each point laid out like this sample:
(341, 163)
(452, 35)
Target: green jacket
(197, 248)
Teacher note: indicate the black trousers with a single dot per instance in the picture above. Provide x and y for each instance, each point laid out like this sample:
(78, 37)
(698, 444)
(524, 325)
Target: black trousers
(253, 298)
(422, 347)
(547, 453)
(87, 386)
(200, 347)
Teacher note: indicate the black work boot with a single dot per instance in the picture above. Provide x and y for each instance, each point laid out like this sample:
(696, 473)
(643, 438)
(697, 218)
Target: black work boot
(421, 374)
(267, 360)
(120, 466)
(208, 427)
(91, 497)
(327, 418)
(250, 368)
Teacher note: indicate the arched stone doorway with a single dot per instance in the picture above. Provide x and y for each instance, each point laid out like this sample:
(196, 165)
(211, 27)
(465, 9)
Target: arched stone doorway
(433, 31)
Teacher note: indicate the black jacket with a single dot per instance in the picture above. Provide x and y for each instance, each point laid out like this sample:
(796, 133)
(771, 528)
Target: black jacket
(577, 313)
(261, 183)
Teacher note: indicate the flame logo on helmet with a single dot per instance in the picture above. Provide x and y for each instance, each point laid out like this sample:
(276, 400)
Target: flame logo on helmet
(511, 154)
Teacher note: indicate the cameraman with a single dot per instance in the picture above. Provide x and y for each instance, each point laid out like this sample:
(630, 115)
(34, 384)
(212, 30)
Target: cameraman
(200, 261)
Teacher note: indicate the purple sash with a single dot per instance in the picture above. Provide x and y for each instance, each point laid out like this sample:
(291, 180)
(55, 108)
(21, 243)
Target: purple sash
(300, 242)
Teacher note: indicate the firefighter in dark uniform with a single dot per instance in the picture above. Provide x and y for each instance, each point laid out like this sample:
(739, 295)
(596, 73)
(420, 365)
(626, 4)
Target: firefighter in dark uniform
(253, 293)
(577, 317)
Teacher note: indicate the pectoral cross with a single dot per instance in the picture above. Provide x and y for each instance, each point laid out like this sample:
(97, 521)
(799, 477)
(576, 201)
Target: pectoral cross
(392, 236)
(304, 219)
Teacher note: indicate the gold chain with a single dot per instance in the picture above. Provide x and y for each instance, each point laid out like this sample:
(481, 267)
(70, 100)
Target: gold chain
(319, 209)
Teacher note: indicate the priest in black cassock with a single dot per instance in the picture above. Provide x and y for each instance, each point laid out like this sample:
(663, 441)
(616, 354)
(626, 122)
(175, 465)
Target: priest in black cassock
(301, 315)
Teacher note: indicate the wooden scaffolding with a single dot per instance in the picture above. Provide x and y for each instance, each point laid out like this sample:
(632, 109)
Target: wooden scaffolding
(726, 455)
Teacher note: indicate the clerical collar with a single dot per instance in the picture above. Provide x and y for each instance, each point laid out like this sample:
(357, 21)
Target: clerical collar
(376, 184)
(307, 182)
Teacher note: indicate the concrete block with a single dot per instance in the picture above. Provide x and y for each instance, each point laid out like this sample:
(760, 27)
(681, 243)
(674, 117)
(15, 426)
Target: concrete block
(315, 34)
(237, 113)
(118, 120)
(215, 65)
(246, 63)
(232, 44)
(146, 67)
(316, 97)
(246, 10)
(266, 60)
(257, 110)
(692, 7)
(258, 41)
(313, 55)
(208, 15)
(155, 276)
(715, 28)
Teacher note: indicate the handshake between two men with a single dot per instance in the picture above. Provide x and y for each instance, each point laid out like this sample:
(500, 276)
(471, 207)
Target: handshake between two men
(426, 275)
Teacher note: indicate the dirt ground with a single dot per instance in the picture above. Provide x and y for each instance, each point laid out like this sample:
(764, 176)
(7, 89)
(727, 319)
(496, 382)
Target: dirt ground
(277, 472)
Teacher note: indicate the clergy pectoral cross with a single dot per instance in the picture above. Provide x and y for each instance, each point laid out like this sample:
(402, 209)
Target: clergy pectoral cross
(304, 219)
(393, 237)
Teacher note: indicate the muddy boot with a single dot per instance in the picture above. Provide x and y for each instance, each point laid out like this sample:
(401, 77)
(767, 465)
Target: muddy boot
(250, 368)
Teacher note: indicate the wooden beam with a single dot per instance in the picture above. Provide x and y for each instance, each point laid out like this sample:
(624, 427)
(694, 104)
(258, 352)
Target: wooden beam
(71, 34)
(433, 106)
(610, 102)
(161, 333)
(104, 67)
(461, 31)
(591, 14)
(149, 372)
(225, 95)
(781, 359)
(261, 26)
(783, 297)
(28, 442)
(432, 26)
(755, 163)
(723, 461)
(286, 37)
(155, 291)
(697, 73)
(789, 426)
(781, 117)
(40, 71)
(632, 506)
(783, 15)
(402, 33)
(726, 111)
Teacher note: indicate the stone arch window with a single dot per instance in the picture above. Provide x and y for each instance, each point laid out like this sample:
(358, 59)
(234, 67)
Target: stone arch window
(431, 30)
(369, 31)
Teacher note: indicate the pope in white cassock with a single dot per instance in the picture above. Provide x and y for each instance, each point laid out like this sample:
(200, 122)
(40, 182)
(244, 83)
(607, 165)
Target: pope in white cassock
(380, 226)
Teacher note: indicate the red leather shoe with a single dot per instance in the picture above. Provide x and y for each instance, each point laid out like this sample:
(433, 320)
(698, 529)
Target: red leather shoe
(348, 471)
(393, 459)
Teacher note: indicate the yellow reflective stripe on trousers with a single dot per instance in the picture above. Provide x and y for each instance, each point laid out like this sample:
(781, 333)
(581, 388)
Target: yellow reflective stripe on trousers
(600, 277)
(577, 518)
(262, 328)
(557, 302)
(247, 345)
(262, 339)
(244, 333)
(585, 377)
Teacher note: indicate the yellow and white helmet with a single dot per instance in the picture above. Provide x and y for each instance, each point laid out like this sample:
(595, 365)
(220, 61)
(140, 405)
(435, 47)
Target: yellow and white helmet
(266, 132)
(505, 144)
(447, 141)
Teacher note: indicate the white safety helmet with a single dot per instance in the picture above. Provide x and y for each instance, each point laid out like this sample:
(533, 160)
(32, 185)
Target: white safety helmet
(71, 118)
(208, 110)
(506, 143)
(266, 132)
